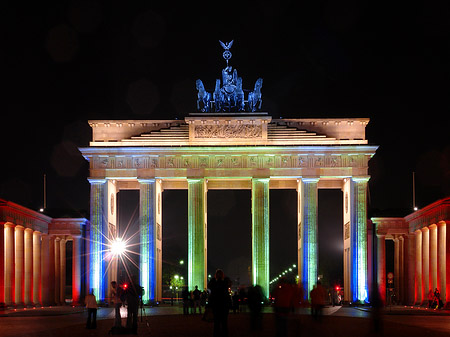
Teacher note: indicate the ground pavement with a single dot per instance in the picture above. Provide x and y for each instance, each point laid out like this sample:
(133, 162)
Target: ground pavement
(168, 321)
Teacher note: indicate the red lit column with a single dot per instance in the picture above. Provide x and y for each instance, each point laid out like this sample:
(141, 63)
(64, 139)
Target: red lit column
(36, 267)
(62, 275)
(9, 263)
(442, 248)
(410, 261)
(433, 257)
(18, 262)
(28, 264)
(418, 278)
(425, 264)
(57, 274)
(76, 270)
(381, 265)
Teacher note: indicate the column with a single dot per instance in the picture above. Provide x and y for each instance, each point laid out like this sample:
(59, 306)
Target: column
(18, 261)
(51, 271)
(358, 238)
(97, 281)
(28, 264)
(62, 279)
(381, 265)
(425, 264)
(2, 265)
(433, 257)
(442, 248)
(411, 267)
(57, 274)
(401, 277)
(9, 263)
(397, 269)
(147, 260)
(76, 270)
(36, 267)
(309, 235)
(45, 269)
(197, 234)
(260, 233)
(418, 278)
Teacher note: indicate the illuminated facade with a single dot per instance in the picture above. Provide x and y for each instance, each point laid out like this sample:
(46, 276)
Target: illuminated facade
(208, 151)
(421, 253)
(33, 257)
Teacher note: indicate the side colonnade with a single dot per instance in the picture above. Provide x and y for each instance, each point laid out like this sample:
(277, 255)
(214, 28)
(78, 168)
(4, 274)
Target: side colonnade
(33, 257)
(421, 254)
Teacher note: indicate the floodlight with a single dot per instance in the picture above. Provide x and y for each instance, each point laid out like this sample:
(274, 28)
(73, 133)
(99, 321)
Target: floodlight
(118, 247)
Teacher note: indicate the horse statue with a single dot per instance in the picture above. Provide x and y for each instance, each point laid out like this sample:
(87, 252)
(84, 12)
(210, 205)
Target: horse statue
(218, 97)
(204, 97)
(254, 97)
(240, 102)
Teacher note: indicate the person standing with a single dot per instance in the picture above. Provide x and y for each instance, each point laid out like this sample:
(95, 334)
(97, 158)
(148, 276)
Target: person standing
(133, 294)
(91, 305)
(196, 294)
(220, 302)
(116, 292)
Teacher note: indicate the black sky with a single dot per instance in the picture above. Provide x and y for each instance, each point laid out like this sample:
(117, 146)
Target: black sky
(66, 62)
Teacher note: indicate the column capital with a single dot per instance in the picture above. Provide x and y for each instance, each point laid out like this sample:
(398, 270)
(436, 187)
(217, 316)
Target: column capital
(9, 225)
(19, 227)
(424, 229)
(432, 226)
(93, 181)
(441, 223)
(381, 235)
(310, 179)
(361, 179)
(28, 229)
(146, 180)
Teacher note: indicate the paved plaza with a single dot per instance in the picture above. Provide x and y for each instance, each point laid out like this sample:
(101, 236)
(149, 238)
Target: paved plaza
(168, 321)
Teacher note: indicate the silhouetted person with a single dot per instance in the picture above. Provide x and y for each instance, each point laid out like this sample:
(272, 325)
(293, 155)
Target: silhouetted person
(133, 294)
(116, 292)
(255, 300)
(196, 294)
(185, 297)
(317, 296)
(377, 304)
(235, 300)
(220, 302)
(91, 305)
(284, 294)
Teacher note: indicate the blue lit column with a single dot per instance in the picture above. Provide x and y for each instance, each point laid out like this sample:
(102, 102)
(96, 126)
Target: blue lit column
(308, 233)
(96, 237)
(197, 233)
(358, 228)
(260, 233)
(147, 225)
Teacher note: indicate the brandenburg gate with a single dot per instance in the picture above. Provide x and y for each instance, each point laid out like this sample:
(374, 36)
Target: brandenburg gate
(228, 144)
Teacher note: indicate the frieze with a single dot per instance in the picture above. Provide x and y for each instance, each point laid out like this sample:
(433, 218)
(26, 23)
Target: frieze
(229, 161)
(228, 131)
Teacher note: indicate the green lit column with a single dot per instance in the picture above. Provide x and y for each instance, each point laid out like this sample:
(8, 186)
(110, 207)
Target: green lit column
(147, 224)
(260, 233)
(358, 228)
(309, 238)
(197, 233)
(98, 231)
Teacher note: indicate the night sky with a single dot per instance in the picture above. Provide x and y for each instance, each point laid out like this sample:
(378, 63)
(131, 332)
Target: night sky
(66, 62)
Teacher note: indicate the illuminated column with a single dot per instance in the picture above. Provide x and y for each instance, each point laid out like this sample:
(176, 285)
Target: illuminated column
(45, 269)
(57, 274)
(418, 266)
(260, 233)
(51, 270)
(28, 264)
(358, 237)
(410, 246)
(381, 265)
(62, 279)
(401, 259)
(147, 258)
(9, 263)
(36, 267)
(18, 261)
(98, 224)
(309, 235)
(433, 257)
(2, 265)
(76, 270)
(425, 263)
(442, 277)
(397, 268)
(197, 233)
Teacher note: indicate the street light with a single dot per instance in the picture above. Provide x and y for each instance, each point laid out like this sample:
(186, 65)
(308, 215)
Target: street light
(118, 247)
